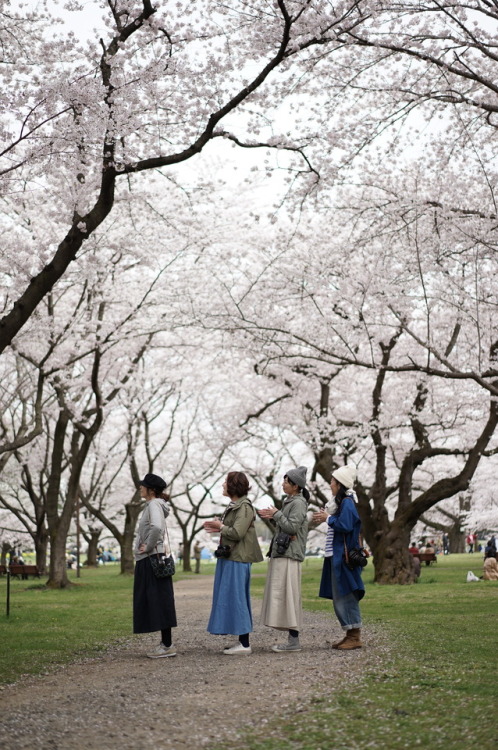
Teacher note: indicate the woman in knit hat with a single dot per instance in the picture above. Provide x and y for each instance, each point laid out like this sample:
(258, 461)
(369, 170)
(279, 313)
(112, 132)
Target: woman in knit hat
(282, 607)
(339, 583)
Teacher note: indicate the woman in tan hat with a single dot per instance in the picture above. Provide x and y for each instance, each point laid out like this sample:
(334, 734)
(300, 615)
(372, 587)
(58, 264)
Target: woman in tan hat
(339, 582)
(282, 607)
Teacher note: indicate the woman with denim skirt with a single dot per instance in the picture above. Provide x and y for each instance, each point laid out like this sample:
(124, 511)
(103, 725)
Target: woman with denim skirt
(239, 548)
(339, 583)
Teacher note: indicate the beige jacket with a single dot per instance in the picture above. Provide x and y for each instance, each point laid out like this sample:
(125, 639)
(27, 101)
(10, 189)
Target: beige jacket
(490, 569)
(238, 531)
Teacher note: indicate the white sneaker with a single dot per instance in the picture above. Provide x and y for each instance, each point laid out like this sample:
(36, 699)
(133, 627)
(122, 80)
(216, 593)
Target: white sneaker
(162, 651)
(238, 650)
(290, 646)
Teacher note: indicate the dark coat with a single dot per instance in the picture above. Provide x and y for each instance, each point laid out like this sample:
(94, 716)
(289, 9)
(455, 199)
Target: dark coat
(346, 524)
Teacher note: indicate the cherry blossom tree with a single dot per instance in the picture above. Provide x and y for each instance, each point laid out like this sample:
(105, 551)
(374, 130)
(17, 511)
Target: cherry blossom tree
(96, 338)
(150, 92)
(391, 317)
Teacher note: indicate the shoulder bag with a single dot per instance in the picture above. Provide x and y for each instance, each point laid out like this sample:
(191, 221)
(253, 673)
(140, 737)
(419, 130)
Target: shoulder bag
(163, 566)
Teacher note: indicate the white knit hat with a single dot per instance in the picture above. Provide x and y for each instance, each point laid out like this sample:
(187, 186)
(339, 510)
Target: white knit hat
(346, 475)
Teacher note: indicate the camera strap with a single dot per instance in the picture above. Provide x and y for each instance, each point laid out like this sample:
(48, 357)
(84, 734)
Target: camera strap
(346, 556)
(169, 543)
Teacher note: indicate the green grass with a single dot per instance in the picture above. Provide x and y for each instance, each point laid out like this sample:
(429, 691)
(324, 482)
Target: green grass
(49, 627)
(434, 686)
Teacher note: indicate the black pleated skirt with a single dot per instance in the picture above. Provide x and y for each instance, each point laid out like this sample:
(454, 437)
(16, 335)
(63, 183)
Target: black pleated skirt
(153, 600)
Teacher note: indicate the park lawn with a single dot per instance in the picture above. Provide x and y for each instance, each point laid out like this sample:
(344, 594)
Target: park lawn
(436, 688)
(49, 627)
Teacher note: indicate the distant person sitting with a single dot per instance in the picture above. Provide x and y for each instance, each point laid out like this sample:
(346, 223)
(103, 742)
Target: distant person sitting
(490, 568)
(413, 549)
(490, 547)
(429, 550)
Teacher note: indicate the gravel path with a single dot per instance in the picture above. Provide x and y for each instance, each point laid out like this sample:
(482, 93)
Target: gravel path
(122, 700)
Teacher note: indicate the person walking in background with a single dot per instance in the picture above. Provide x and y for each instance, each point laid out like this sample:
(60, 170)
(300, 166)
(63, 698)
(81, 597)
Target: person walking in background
(282, 608)
(153, 598)
(339, 583)
(470, 542)
(475, 542)
(446, 544)
(238, 549)
(197, 556)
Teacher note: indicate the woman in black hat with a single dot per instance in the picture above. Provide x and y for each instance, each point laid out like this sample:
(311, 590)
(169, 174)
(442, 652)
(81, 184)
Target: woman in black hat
(153, 598)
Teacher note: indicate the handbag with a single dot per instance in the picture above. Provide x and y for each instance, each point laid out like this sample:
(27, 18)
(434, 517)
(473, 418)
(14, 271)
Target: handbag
(356, 557)
(163, 566)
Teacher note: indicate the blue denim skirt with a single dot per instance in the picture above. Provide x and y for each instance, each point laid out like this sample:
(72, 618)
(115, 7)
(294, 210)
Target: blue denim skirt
(231, 610)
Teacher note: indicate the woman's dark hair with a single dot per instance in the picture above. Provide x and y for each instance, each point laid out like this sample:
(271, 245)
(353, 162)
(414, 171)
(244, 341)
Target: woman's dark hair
(304, 491)
(158, 493)
(237, 484)
(341, 494)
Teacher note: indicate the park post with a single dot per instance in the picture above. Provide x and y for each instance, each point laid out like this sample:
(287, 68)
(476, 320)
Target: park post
(8, 592)
(78, 540)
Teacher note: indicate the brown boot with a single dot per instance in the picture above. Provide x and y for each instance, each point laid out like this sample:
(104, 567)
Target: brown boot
(338, 643)
(352, 640)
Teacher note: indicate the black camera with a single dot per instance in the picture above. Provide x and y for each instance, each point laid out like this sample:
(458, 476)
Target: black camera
(282, 542)
(223, 550)
(357, 558)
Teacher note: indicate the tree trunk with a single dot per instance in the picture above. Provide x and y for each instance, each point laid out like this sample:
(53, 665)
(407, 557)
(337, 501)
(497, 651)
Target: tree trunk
(393, 563)
(456, 539)
(58, 567)
(58, 524)
(187, 567)
(6, 547)
(41, 547)
(133, 510)
(92, 551)
(127, 559)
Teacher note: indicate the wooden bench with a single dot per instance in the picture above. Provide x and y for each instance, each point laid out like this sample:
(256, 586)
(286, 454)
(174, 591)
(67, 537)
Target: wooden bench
(427, 557)
(3, 570)
(23, 571)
